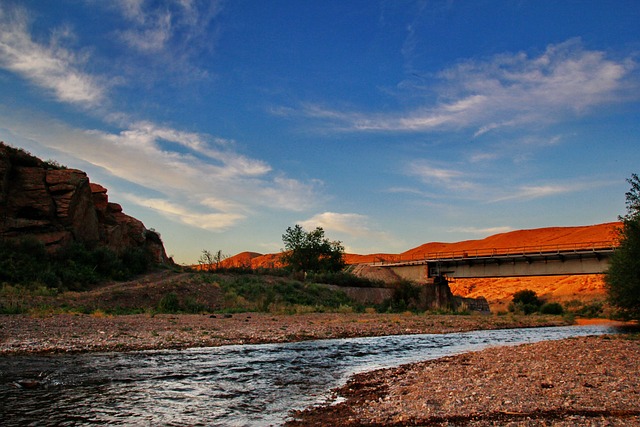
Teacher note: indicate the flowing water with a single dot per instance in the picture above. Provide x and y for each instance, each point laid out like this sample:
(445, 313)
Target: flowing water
(244, 385)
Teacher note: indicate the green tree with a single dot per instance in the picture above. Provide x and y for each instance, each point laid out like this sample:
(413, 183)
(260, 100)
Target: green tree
(311, 251)
(525, 301)
(623, 276)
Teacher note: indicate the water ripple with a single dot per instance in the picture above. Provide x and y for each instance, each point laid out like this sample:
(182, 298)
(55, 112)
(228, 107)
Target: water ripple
(249, 385)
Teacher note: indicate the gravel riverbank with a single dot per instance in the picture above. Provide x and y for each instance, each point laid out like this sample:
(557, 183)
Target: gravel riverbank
(592, 381)
(61, 333)
(589, 381)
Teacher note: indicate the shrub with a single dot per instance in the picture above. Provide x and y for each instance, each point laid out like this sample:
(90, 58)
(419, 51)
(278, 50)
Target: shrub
(525, 301)
(169, 303)
(405, 297)
(27, 263)
(345, 279)
(277, 294)
(526, 296)
(595, 309)
(551, 308)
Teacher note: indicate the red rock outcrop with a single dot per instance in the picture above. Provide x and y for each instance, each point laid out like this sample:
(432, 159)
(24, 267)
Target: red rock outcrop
(58, 206)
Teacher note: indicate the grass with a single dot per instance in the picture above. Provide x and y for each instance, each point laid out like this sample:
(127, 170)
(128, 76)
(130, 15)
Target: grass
(280, 296)
(197, 292)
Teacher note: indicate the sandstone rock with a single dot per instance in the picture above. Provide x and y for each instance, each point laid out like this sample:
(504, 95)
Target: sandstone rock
(59, 206)
(100, 199)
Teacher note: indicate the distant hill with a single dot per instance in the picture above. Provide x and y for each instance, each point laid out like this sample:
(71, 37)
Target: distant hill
(533, 238)
(537, 237)
(576, 289)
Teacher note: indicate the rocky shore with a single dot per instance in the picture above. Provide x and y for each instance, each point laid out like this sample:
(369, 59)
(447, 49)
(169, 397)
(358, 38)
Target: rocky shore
(592, 381)
(589, 381)
(62, 333)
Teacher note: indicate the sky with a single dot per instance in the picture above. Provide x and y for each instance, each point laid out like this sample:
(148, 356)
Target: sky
(389, 123)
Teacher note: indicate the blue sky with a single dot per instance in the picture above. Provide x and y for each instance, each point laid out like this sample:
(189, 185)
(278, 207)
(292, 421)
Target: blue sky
(388, 123)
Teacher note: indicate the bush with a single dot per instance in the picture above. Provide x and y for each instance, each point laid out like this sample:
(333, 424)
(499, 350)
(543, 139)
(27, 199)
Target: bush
(344, 279)
(525, 301)
(527, 297)
(551, 308)
(27, 263)
(169, 303)
(254, 293)
(405, 297)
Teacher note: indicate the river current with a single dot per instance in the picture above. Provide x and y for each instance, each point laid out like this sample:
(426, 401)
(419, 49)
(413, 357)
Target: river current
(243, 385)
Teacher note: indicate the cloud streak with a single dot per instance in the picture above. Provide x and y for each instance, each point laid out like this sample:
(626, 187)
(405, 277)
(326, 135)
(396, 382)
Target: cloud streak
(51, 66)
(196, 179)
(352, 225)
(448, 178)
(502, 91)
(482, 231)
(191, 178)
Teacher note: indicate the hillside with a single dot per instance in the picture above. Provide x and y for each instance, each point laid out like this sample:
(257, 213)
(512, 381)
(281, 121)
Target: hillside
(532, 238)
(497, 291)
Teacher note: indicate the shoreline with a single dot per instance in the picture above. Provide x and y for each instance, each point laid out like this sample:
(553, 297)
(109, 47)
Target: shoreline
(77, 333)
(584, 381)
(570, 382)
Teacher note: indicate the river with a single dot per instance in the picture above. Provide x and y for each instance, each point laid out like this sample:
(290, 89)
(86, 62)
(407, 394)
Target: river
(243, 385)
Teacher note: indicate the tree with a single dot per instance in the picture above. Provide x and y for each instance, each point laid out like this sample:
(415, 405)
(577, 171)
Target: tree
(622, 279)
(526, 301)
(211, 261)
(311, 251)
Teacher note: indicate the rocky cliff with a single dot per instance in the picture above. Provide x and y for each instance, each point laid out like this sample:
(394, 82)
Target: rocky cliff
(59, 206)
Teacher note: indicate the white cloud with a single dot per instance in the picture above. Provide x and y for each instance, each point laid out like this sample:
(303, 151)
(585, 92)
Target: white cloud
(451, 179)
(348, 223)
(503, 91)
(164, 26)
(209, 221)
(482, 231)
(444, 182)
(203, 181)
(530, 192)
(196, 179)
(355, 227)
(49, 66)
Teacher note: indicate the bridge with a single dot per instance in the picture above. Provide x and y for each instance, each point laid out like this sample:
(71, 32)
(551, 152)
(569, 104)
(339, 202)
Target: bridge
(543, 260)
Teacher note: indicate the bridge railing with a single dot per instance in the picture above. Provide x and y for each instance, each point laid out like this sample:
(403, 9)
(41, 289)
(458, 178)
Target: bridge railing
(548, 249)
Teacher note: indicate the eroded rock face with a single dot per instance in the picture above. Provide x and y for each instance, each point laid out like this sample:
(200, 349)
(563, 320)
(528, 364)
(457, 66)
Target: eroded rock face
(59, 206)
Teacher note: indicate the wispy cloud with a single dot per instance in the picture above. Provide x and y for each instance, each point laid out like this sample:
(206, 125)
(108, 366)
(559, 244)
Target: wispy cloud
(503, 91)
(217, 221)
(352, 225)
(170, 33)
(348, 223)
(49, 66)
(481, 231)
(531, 192)
(192, 178)
(448, 181)
(447, 178)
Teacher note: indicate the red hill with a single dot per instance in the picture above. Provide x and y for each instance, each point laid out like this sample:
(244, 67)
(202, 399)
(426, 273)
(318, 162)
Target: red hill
(497, 291)
(533, 238)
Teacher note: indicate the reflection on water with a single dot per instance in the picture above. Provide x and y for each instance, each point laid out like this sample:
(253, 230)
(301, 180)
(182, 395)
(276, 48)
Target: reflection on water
(247, 385)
